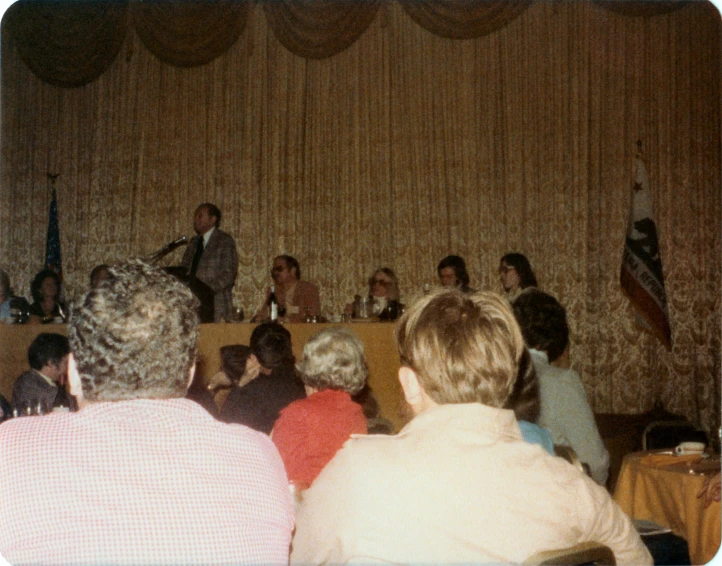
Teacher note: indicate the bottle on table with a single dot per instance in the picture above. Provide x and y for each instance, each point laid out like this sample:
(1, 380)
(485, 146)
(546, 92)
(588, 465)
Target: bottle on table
(273, 304)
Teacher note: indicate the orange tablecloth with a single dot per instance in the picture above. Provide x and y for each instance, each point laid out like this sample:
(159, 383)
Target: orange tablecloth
(660, 488)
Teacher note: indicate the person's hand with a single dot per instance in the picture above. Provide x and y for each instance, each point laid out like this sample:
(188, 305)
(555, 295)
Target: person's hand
(218, 380)
(710, 489)
(253, 368)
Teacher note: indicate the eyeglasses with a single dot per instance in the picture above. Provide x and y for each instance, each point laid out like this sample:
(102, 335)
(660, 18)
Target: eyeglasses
(506, 268)
(277, 269)
(381, 282)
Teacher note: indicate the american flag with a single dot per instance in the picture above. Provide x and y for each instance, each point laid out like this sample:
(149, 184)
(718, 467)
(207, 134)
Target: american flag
(53, 258)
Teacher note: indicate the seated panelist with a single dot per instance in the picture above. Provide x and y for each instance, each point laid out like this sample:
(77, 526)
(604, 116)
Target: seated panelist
(452, 273)
(296, 298)
(384, 294)
(45, 290)
(12, 308)
(516, 275)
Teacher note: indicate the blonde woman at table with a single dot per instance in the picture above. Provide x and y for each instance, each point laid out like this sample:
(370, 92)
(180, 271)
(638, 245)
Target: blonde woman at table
(384, 293)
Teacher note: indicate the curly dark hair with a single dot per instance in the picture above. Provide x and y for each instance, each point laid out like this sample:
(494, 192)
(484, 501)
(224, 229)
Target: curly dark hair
(524, 398)
(543, 322)
(271, 344)
(135, 336)
(37, 283)
(523, 268)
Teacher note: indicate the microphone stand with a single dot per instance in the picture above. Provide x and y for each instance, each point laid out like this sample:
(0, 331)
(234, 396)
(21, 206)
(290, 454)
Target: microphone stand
(165, 250)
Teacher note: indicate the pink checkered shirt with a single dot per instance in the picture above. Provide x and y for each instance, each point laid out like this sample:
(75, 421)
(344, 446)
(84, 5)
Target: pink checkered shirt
(141, 482)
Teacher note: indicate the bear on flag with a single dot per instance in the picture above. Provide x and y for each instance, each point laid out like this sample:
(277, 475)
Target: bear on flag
(641, 278)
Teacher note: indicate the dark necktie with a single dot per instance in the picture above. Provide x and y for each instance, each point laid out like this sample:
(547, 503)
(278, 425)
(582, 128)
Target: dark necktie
(196, 257)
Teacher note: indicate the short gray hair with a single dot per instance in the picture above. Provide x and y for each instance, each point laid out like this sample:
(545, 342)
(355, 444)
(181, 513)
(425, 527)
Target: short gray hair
(334, 359)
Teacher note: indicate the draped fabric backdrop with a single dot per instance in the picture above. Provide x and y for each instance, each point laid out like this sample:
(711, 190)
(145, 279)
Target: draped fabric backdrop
(360, 135)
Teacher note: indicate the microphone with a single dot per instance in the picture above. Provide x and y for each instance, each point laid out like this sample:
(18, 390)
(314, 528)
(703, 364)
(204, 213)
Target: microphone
(175, 243)
(165, 250)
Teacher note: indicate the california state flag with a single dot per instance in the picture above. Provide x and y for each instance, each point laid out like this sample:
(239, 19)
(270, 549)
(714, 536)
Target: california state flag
(642, 280)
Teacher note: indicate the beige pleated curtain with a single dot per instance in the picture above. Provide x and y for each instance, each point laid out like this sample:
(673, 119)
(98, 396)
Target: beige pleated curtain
(359, 134)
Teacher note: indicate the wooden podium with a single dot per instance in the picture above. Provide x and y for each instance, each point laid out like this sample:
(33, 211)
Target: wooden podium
(202, 291)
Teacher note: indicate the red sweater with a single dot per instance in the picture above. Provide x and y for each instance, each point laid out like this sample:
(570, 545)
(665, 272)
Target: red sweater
(310, 431)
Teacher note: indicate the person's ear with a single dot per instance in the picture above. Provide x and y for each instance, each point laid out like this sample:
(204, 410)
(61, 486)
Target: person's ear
(410, 385)
(74, 384)
(191, 374)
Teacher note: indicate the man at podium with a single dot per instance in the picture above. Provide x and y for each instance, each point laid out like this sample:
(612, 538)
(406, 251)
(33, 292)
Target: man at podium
(212, 258)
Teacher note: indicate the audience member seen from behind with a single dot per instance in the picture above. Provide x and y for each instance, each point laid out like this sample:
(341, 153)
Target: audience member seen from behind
(139, 475)
(296, 298)
(45, 290)
(524, 401)
(564, 409)
(99, 274)
(234, 371)
(516, 274)
(458, 484)
(272, 380)
(452, 273)
(42, 387)
(310, 431)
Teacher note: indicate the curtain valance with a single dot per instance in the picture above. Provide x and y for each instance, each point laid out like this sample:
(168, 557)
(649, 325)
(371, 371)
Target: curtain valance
(71, 43)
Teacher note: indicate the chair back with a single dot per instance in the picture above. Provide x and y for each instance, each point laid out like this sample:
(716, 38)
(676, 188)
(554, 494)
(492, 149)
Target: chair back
(668, 434)
(582, 553)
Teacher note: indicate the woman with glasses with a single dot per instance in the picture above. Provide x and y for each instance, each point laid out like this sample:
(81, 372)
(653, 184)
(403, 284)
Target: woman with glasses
(383, 294)
(516, 274)
(384, 290)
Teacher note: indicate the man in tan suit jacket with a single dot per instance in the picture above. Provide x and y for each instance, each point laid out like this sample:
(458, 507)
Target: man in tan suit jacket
(296, 298)
(212, 257)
